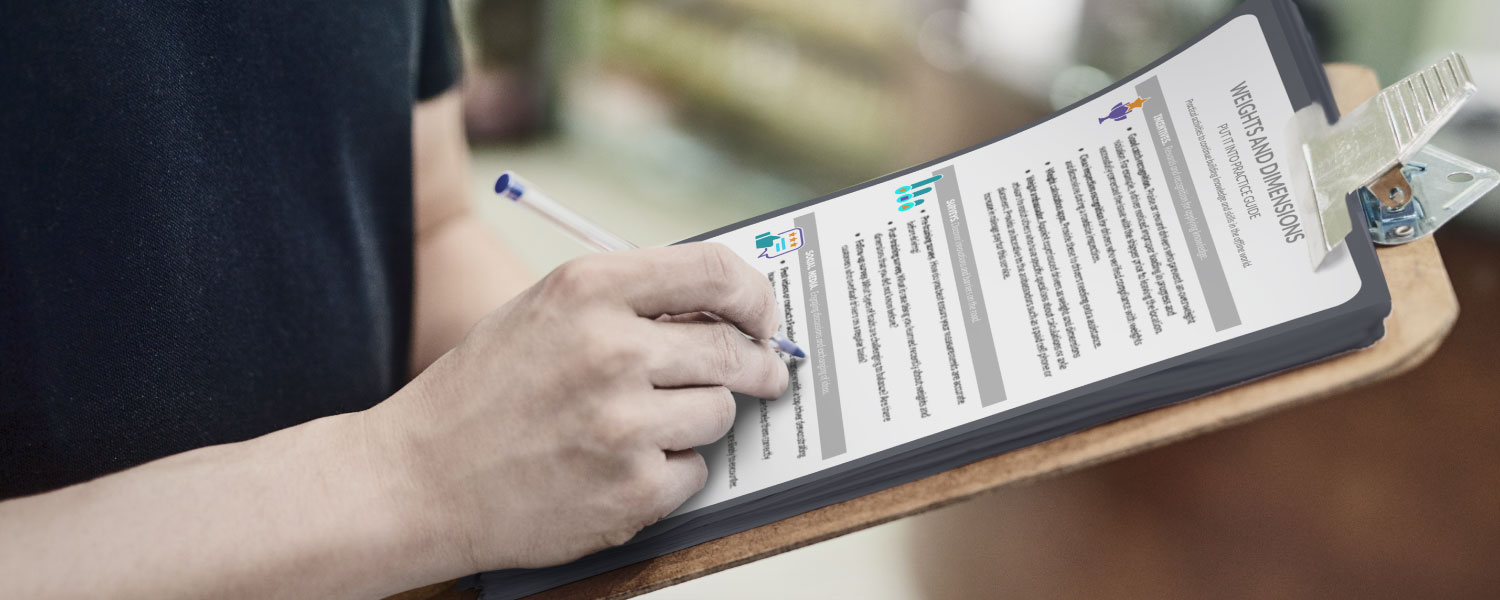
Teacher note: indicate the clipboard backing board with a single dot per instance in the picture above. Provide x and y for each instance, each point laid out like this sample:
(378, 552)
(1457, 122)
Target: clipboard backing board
(1423, 310)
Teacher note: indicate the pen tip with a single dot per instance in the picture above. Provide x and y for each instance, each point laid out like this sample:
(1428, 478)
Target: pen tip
(786, 345)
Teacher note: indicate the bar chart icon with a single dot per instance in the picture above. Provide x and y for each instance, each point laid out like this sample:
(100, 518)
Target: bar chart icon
(907, 195)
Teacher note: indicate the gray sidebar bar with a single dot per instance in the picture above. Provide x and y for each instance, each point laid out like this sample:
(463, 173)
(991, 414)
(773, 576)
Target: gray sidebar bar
(970, 294)
(1195, 232)
(820, 338)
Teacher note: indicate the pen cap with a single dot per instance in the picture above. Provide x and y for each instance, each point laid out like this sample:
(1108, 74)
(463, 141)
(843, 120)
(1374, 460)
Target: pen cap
(518, 190)
(510, 186)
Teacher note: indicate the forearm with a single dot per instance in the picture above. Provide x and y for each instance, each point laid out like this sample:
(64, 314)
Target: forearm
(462, 273)
(462, 269)
(310, 511)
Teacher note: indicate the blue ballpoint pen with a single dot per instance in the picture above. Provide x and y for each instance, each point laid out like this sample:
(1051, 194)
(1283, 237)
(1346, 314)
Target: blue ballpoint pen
(518, 190)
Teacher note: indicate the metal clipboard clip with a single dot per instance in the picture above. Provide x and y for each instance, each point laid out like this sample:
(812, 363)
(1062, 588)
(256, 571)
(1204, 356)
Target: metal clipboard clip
(1408, 188)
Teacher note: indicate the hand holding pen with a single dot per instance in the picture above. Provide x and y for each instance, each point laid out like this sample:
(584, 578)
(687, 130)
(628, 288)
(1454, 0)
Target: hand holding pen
(518, 190)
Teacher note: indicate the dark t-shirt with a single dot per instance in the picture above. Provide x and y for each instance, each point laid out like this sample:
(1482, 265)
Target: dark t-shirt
(205, 221)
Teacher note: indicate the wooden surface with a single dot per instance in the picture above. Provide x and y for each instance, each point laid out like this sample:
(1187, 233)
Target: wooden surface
(1423, 310)
(1386, 491)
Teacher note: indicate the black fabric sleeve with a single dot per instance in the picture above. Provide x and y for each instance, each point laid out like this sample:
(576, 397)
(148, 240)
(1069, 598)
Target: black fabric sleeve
(439, 66)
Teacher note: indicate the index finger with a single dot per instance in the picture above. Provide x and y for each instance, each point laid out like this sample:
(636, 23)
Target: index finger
(696, 277)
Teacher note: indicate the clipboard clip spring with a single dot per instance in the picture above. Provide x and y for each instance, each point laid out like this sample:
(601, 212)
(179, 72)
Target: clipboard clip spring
(1408, 188)
(1415, 198)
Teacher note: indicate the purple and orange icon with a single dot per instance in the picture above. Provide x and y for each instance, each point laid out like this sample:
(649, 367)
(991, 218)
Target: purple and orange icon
(1122, 110)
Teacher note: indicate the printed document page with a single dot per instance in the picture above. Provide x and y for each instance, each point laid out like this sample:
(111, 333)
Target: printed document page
(1151, 222)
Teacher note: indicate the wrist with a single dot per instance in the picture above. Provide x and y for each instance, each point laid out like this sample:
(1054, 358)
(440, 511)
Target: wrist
(409, 521)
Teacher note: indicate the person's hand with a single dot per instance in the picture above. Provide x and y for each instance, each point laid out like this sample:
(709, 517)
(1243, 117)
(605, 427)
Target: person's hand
(565, 421)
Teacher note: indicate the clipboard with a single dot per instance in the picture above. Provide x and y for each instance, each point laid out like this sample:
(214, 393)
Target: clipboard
(1423, 311)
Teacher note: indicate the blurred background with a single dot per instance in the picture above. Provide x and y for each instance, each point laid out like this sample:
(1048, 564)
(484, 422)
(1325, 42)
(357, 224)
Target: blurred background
(667, 118)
